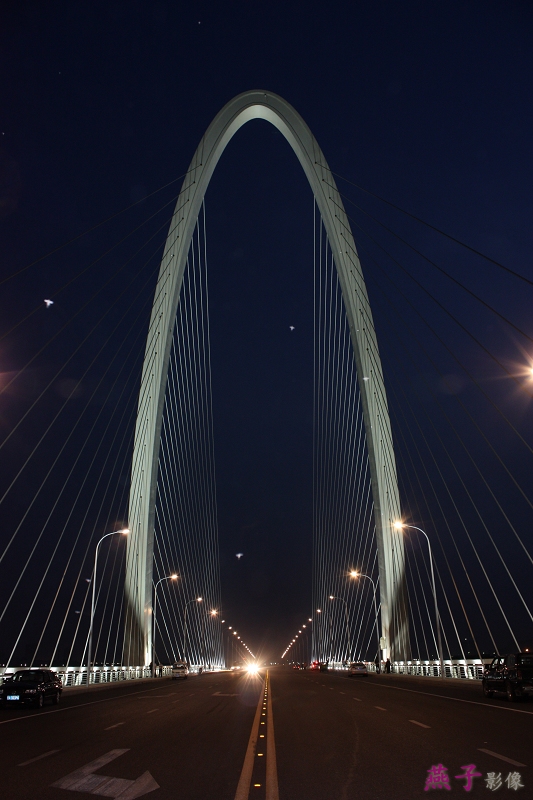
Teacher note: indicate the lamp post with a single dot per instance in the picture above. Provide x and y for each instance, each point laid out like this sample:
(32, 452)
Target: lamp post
(332, 597)
(355, 574)
(194, 600)
(320, 636)
(213, 613)
(173, 577)
(124, 531)
(399, 526)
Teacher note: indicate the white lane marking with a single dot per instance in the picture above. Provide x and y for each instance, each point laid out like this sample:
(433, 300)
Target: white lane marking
(117, 725)
(152, 711)
(69, 708)
(503, 758)
(342, 692)
(380, 709)
(223, 694)
(38, 758)
(85, 780)
(358, 699)
(421, 724)
(149, 697)
(445, 697)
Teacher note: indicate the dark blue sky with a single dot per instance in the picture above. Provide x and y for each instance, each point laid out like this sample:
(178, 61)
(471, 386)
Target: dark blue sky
(426, 104)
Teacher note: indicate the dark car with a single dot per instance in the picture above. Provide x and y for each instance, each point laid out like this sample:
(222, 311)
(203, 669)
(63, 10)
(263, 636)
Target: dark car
(512, 674)
(30, 687)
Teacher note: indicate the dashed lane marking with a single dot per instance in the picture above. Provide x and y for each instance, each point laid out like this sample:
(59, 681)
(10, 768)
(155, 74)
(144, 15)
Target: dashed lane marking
(118, 724)
(342, 692)
(420, 724)
(380, 708)
(490, 706)
(45, 755)
(502, 758)
(358, 699)
(152, 711)
(69, 708)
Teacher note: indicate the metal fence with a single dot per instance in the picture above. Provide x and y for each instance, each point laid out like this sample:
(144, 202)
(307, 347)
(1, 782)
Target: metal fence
(465, 669)
(77, 676)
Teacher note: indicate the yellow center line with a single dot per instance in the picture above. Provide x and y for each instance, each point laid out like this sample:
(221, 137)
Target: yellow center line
(243, 787)
(272, 791)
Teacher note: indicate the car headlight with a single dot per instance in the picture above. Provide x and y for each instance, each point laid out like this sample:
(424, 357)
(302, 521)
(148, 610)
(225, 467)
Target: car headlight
(30, 691)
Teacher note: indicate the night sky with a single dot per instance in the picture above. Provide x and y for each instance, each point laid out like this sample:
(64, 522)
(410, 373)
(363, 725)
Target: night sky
(428, 105)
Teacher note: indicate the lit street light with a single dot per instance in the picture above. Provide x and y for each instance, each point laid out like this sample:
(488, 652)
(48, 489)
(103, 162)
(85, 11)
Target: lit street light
(194, 600)
(399, 526)
(124, 531)
(173, 577)
(332, 597)
(355, 574)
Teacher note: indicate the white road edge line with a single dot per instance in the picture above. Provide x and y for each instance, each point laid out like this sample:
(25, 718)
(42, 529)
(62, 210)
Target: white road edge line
(68, 708)
(421, 724)
(117, 725)
(446, 697)
(44, 755)
(503, 758)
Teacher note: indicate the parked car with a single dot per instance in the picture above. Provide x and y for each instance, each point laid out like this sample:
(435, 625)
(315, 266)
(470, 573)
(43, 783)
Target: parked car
(357, 668)
(31, 687)
(512, 674)
(179, 670)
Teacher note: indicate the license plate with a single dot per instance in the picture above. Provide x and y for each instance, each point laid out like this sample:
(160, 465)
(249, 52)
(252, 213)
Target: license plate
(13, 697)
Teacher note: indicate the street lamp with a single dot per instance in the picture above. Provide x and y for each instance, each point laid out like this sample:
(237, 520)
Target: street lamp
(319, 636)
(332, 597)
(173, 577)
(399, 526)
(194, 600)
(124, 531)
(355, 574)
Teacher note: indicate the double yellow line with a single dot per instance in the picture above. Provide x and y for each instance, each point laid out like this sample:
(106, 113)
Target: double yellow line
(263, 716)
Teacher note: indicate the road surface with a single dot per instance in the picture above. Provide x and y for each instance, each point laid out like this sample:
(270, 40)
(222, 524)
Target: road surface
(296, 736)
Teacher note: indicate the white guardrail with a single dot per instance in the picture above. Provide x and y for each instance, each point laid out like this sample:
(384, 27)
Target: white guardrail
(77, 676)
(465, 669)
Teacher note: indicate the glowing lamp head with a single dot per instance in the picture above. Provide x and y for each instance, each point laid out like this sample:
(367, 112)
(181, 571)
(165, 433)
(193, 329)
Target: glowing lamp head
(125, 531)
(354, 574)
(398, 525)
(319, 611)
(174, 577)
(214, 613)
(199, 599)
(331, 597)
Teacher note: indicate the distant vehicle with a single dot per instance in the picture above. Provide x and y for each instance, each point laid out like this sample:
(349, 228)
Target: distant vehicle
(179, 670)
(297, 666)
(512, 674)
(323, 666)
(357, 668)
(31, 687)
(315, 665)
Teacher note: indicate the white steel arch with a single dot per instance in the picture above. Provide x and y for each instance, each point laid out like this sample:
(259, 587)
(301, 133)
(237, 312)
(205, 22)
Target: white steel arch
(138, 588)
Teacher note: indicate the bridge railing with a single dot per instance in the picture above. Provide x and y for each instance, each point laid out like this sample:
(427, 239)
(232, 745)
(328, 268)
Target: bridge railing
(464, 669)
(77, 676)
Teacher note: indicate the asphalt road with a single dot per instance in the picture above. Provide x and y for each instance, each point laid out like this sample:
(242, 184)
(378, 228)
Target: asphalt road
(316, 736)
